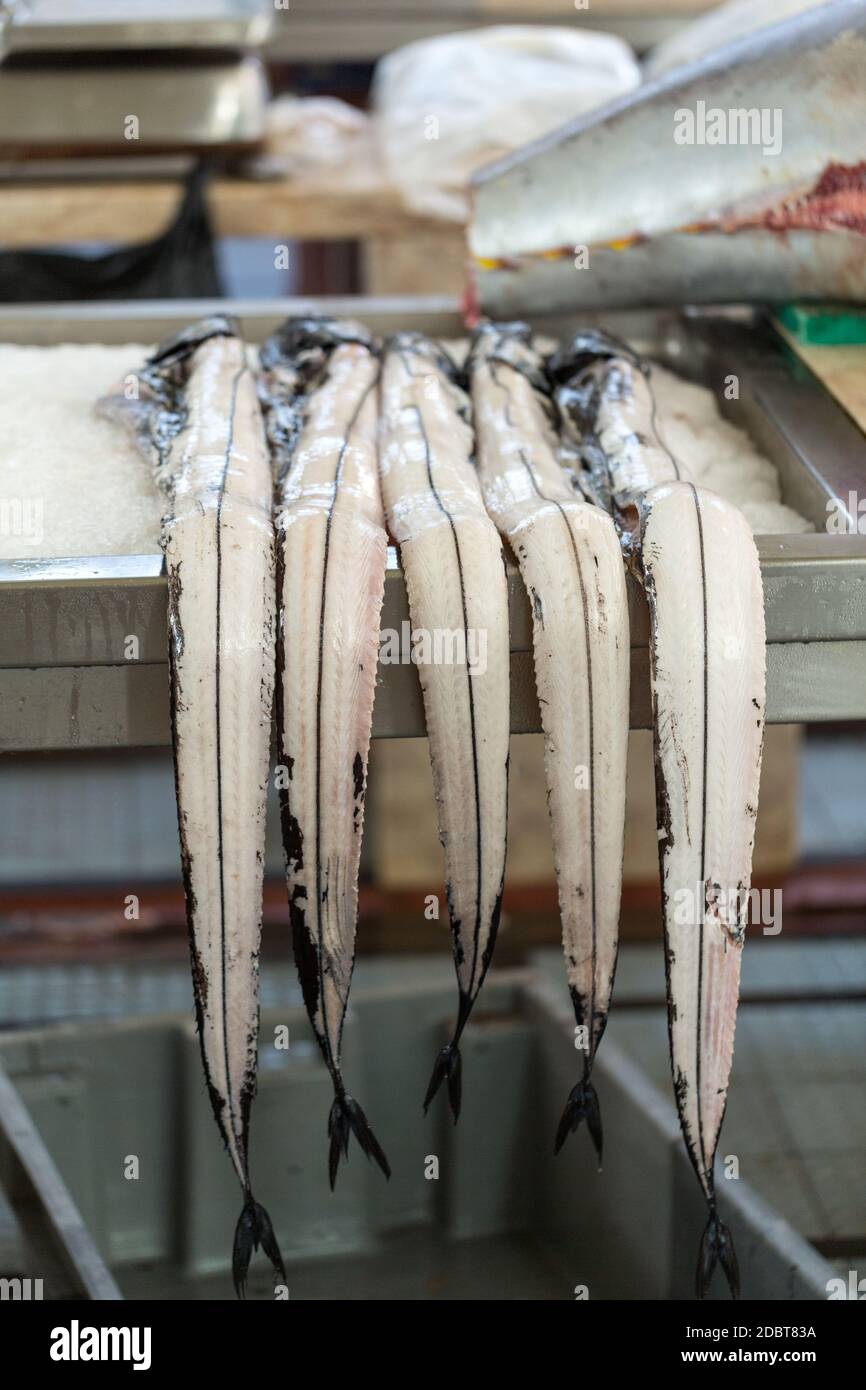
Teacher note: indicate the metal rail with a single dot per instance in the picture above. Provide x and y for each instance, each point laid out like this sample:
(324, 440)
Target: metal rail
(65, 1254)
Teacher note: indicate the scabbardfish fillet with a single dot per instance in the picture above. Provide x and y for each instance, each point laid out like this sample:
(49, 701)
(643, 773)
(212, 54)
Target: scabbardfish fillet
(455, 578)
(699, 566)
(198, 419)
(318, 384)
(570, 560)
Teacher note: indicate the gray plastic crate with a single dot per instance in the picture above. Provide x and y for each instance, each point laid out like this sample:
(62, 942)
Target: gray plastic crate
(502, 1219)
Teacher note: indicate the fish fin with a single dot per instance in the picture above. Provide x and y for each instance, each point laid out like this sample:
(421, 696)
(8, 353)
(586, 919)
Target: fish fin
(254, 1229)
(348, 1118)
(717, 1247)
(448, 1066)
(582, 1104)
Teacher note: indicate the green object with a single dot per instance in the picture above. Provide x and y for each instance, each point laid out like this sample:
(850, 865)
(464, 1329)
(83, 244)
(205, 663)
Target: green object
(824, 325)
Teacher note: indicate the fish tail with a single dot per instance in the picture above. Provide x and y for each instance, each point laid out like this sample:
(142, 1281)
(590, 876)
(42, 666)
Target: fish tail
(254, 1229)
(347, 1118)
(447, 1067)
(449, 1064)
(717, 1247)
(582, 1104)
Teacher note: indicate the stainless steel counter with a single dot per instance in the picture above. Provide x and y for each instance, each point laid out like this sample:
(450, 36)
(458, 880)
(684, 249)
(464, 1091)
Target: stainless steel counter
(65, 681)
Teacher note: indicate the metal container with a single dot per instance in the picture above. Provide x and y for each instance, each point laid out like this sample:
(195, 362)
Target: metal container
(64, 682)
(154, 76)
(76, 26)
(212, 105)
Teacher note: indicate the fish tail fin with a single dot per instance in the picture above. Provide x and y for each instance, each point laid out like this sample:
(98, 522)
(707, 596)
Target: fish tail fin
(717, 1247)
(254, 1229)
(347, 1118)
(582, 1104)
(447, 1067)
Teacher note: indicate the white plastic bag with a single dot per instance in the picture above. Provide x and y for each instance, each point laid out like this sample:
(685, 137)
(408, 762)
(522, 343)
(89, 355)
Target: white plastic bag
(309, 134)
(446, 106)
(721, 26)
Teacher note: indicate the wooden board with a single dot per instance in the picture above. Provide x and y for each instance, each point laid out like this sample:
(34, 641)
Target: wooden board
(841, 369)
(130, 211)
(339, 30)
(405, 844)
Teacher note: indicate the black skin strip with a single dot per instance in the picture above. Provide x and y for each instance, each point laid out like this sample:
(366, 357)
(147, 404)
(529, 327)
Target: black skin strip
(582, 1103)
(448, 1065)
(166, 375)
(307, 344)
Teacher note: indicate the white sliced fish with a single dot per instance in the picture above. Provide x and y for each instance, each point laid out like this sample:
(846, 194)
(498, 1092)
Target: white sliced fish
(198, 419)
(697, 560)
(455, 578)
(570, 560)
(319, 384)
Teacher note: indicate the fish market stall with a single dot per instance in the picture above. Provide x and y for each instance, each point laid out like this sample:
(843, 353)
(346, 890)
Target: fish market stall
(607, 494)
(67, 681)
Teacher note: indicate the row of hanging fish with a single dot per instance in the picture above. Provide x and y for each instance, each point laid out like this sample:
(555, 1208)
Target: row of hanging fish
(284, 478)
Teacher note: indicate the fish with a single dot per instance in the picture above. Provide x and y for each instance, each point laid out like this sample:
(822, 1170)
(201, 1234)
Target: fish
(454, 568)
(569, 556)
(696, 559)
(194, 411)
(318, 385)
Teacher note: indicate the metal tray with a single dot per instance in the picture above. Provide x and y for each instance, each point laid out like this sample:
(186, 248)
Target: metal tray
(217, 103)
(63, 26)
(64, 683)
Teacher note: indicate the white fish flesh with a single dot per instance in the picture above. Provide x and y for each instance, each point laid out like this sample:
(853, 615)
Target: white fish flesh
(571, 564)
(319, 388)
(198, 419)
(699, 566)
(455, 578)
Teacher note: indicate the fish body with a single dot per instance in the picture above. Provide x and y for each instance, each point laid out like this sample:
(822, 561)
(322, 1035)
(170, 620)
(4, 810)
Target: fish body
(697, 561)
(570, 560)
(455, 579)
(319, 386)
(707, 668)
(199, 420)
